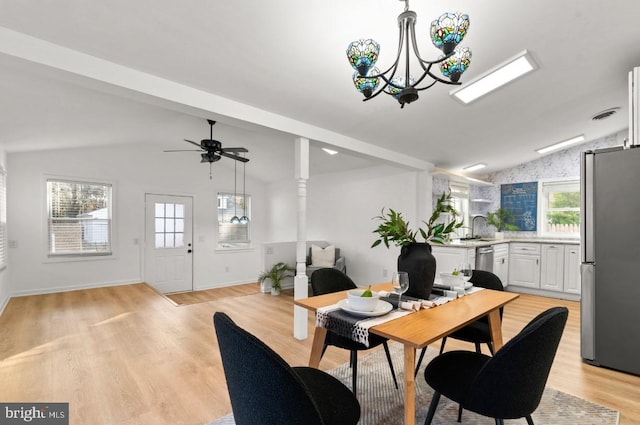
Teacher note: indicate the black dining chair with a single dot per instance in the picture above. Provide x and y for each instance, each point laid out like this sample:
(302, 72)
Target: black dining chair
(325, 281)
(477, 332)
(508, 385)
(265, 390)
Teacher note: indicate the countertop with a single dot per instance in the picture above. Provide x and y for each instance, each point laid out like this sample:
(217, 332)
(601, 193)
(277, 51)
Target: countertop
(473, 243)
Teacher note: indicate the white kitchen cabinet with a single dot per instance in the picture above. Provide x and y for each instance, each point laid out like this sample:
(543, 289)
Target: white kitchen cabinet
(501, 262)
(552, 267)
(572, 269)
(524, 265)
(449, 258)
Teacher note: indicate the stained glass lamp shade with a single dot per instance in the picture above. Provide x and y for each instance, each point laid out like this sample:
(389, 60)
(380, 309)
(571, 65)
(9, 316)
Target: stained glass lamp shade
(448, 31)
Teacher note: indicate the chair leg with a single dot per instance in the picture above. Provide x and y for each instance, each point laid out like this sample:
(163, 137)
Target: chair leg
(499, 421)
(529, 420)
(478, 349)
(460, 413)
(424, 350)
(444, 341)
(324, 348)
(354, 371)
(490, 345)
(393, 372)
(432, 408)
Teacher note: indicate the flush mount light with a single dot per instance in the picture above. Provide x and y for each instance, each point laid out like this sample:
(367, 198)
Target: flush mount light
(330, 151)
(561, 145)
(510, 70)
(475, 167)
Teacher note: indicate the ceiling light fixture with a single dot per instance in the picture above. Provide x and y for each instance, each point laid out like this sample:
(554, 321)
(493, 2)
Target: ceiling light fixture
(510, 70)
(561, 145)
(446, 32)
(330, 151)
(475, 167)
(235, 219)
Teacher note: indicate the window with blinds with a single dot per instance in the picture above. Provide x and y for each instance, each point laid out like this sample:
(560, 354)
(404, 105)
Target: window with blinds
(79, 218)
(3, 219)
(233, 235)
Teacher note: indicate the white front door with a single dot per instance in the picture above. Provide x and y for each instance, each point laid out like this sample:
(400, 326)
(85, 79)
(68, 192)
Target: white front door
(168, 264)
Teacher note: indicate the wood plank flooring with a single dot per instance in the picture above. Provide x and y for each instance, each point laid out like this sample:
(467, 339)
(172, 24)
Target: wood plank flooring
(126, 355)
(206, 295)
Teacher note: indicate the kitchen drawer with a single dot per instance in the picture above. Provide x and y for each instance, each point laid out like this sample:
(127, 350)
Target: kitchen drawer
(525, 248)
(500, 249)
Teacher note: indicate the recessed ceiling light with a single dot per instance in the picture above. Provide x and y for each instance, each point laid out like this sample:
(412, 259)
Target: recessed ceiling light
(497, 77)
(330, 151)
(474, 167)
(561, 145)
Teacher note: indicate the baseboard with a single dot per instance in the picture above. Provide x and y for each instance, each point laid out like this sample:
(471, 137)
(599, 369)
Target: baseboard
(72, 288)
(5, 301)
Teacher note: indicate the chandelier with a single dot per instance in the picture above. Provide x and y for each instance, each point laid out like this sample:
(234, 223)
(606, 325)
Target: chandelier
(446, 33)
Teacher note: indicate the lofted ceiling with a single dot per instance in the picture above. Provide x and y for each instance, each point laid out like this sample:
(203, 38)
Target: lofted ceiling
(288, 57)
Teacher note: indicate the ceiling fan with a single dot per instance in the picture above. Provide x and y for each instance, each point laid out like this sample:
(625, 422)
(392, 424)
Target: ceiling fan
(212, 150)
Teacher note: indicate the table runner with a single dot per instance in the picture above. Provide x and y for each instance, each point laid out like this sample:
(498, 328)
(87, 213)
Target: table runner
(344, 324)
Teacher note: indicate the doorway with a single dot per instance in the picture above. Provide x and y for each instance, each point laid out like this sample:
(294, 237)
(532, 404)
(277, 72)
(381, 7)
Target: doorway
(168, 264)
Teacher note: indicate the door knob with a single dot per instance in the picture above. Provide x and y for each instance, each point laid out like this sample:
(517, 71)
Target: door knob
(189, 251)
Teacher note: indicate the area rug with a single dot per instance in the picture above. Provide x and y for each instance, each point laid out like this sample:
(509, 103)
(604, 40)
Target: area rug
(206, 295)
(382, 404)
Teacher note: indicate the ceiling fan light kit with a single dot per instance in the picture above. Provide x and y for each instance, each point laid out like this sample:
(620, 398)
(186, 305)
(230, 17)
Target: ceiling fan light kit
(446, 33)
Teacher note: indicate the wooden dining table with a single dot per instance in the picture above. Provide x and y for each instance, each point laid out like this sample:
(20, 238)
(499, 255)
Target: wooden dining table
(419, 329)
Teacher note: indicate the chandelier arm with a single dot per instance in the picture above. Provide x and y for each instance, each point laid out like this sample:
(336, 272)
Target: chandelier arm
(381, 89)
(442, 80)
(427, 87)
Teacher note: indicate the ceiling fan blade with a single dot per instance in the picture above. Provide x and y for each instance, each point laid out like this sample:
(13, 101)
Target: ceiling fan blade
(183, 150)
(234, 150)
(236, 157)
(193, 143)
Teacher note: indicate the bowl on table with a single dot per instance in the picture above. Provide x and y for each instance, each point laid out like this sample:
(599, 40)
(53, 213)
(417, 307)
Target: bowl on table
(357, 302)
(449, 279)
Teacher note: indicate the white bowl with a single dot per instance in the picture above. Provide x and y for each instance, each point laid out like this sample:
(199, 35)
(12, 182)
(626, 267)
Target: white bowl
(357, 302)
(449, 279)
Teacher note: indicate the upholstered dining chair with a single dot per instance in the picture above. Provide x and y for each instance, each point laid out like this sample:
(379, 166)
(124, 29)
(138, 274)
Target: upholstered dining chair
(265, 390)
(327, 280)
(477, 332)
(508, 385)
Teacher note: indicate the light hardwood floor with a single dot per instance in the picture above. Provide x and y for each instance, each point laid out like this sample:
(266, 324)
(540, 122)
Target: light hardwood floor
(126, 355)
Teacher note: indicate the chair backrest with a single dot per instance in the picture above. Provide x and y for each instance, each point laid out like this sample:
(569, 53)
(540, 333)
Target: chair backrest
(309, 259)
(327, 280)
(262, 387)
(511, 383)
(485, 279)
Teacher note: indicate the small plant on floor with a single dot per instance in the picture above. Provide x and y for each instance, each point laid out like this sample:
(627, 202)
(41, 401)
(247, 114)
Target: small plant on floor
(277, 272)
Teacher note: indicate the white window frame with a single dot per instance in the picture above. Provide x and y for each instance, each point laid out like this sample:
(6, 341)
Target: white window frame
(229, 245)
(460, 197)
(543, 207)
(79, 256)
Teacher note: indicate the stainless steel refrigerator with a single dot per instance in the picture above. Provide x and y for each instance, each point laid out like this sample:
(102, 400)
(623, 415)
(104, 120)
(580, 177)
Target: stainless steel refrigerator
(610, 249)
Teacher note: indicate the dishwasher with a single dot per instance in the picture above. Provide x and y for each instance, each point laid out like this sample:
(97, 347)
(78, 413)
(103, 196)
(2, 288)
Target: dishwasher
(484, 258)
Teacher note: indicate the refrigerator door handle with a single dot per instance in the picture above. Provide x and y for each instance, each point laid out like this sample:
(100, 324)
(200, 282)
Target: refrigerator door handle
(587, 314)
(587, 208)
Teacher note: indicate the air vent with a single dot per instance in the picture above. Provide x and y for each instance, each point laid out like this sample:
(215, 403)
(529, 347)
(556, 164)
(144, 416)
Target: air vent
(605, 114)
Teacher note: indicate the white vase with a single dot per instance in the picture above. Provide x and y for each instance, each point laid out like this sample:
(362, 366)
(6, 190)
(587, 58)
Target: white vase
(275, 291)
(498, 235)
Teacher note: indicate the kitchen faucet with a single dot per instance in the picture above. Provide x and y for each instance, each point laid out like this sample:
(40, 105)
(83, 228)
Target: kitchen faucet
(473, 224)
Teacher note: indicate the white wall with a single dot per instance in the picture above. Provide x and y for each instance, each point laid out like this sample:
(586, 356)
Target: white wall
(4, 281)
(134, 170)
(340, 208)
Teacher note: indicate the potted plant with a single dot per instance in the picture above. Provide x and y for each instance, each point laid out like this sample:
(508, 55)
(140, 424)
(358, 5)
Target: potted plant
(275, 274)
(502, 219)
(415, 257)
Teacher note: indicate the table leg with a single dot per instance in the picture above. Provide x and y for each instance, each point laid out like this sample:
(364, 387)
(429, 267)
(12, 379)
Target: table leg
(409, 385)
(316, 348)
(495, 325)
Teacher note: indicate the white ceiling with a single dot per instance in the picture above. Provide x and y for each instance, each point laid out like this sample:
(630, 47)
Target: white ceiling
(288, 57)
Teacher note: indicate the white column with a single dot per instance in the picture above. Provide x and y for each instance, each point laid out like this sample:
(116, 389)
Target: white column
(301, 281)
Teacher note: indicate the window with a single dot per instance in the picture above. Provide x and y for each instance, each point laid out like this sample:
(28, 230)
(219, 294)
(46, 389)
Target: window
(460, 198)
(79, 218)
(3, 219)
(169, 225)
(560, 208)
(233, 235)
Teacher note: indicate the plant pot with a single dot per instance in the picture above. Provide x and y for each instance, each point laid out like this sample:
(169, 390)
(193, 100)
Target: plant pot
(265, 286)
(499, 235)
(416, 259)
(275, 291)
